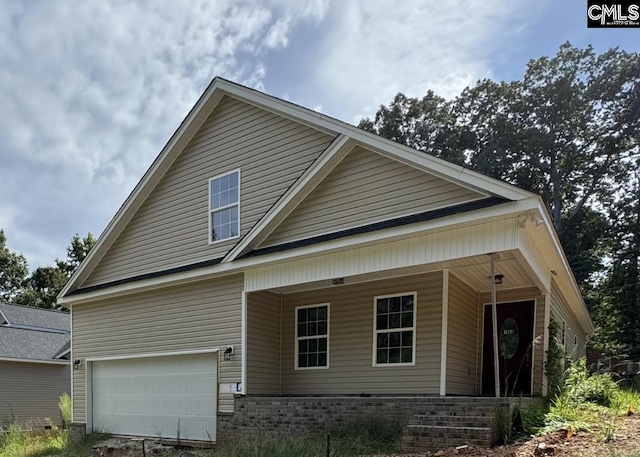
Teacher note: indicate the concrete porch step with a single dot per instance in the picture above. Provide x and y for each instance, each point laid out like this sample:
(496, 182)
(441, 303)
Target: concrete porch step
(429, 438)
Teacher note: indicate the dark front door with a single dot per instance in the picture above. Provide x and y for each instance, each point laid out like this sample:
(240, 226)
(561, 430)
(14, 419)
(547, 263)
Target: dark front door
(515, 343)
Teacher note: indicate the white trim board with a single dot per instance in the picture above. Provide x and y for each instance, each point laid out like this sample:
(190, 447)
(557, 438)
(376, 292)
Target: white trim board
(153, 354)
(473, 218)
(37, 361)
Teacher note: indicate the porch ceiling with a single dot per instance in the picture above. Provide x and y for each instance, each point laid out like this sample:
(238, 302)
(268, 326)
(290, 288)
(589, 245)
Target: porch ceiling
(474, 270)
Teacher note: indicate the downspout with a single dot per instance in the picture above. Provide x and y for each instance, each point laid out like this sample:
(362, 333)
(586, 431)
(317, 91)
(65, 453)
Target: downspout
(494, 321)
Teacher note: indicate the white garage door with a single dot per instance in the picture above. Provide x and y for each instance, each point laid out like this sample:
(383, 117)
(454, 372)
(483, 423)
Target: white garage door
(166, 397)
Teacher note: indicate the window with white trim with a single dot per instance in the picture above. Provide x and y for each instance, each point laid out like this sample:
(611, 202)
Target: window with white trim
(224, 206)
(395, 329)
(312, 337)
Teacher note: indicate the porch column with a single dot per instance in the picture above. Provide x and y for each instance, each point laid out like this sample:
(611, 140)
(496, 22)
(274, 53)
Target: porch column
(445, 324)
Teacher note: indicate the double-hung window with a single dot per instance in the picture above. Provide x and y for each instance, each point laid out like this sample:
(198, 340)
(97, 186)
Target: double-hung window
(312, 337)
(224, 206)
(394, 329)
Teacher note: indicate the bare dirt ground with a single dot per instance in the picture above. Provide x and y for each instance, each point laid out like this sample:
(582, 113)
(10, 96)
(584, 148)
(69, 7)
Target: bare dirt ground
(626, 442)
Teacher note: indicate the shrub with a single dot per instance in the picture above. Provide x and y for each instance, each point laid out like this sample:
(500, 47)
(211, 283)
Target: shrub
(554, 366)
(581, 387)
(64, 405)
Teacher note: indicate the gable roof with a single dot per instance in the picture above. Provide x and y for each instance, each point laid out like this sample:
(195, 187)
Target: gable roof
(348, 137)
(33, 334)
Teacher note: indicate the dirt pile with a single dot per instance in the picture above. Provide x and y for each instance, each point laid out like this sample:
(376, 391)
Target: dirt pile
(556, 444)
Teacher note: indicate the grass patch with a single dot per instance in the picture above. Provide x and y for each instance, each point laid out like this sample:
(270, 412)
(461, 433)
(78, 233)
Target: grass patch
(594, 403)
(15, 443)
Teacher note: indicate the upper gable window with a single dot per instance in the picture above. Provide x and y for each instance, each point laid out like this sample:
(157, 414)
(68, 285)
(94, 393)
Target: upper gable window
(224, 206)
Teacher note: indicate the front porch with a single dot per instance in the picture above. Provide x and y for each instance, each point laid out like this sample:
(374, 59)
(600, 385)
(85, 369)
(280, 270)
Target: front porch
(409, 331)
(428, 423)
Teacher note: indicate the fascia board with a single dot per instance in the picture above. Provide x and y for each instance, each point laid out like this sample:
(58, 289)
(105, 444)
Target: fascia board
(239, 266)
(37, 361)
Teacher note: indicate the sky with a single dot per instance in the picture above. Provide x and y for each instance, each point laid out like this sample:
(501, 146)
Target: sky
(91, 91)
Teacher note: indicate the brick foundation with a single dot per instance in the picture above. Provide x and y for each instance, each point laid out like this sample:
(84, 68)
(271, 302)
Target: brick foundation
(429, 423)
(314, 415)
(77, 430)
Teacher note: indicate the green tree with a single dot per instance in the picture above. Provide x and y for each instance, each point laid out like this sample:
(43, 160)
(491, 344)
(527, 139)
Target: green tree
(621, 289)
(425, 124)
(568, 130)
(562, 130)
(77, 251)
(13, 270)
(42, 288)
(45, 283)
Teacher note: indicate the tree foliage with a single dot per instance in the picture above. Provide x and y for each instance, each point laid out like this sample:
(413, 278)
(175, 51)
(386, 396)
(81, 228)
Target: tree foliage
(569, 130)
(42, 286)
(13, 270)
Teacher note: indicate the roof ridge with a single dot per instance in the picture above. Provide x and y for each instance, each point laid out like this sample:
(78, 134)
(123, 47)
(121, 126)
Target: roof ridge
(2, 302)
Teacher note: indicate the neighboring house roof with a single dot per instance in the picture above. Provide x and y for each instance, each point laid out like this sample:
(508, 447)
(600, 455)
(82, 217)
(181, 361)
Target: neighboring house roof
(33, 334)
(35, 317)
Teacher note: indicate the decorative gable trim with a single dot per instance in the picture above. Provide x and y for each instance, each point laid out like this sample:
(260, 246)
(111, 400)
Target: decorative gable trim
(323, 165)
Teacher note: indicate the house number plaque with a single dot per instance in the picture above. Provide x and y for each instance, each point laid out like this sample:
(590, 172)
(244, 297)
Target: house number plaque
(509, 338)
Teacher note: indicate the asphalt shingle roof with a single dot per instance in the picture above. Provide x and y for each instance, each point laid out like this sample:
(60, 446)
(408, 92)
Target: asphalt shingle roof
(35, 317)
(47, 334)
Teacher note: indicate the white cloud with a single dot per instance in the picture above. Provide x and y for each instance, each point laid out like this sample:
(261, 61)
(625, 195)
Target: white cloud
(90, 91)
(380, 47)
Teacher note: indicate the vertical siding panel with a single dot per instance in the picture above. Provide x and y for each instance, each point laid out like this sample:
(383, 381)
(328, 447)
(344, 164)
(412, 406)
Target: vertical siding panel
(424, 249)
(195, 316)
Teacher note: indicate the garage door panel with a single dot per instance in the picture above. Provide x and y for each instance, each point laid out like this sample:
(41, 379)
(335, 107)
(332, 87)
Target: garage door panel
(162, 396)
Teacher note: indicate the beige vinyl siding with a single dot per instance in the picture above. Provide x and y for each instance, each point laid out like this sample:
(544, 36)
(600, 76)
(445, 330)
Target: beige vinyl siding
(195, 316)
(263, 343)
(461, 338)
(575, 337)
(29, 392)
(172, 229)
(512, 295)
(351, 337)
(364, 188)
